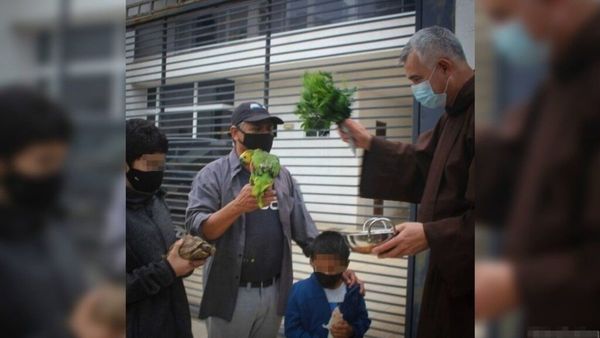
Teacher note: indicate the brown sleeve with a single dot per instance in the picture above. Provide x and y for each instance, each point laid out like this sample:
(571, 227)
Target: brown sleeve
(499, 152)
(397, 171)
(452, 244)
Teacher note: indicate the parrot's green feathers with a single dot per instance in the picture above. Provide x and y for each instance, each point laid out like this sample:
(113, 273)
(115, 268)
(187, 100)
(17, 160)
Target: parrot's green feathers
(265, 168)
(261, 185)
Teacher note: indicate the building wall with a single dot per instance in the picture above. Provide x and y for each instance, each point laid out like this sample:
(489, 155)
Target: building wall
(465, 27)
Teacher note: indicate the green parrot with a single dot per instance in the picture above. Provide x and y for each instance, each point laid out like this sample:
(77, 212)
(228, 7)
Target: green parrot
(264, 167)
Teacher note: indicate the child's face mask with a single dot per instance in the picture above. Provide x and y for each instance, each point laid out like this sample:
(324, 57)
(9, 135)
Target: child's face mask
(328, 281)
(328, 270)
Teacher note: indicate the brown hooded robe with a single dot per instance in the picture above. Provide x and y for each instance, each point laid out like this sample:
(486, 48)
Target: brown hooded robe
(436, 173)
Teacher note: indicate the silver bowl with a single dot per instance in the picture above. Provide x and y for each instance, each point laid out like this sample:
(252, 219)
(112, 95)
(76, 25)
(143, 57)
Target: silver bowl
(366, 240)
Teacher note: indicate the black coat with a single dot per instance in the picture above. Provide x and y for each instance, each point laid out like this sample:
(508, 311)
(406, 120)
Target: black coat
(157, 305)
(41, 276)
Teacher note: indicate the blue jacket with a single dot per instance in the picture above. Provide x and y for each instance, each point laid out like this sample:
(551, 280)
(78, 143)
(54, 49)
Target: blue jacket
(308, 310)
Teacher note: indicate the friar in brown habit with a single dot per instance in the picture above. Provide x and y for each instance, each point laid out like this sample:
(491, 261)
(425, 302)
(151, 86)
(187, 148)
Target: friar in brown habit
(538, 176)
(435, 173)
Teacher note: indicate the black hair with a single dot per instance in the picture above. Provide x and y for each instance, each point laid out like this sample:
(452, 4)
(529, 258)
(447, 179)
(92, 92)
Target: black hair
(143, 137)
(330, 243)
(27, 117)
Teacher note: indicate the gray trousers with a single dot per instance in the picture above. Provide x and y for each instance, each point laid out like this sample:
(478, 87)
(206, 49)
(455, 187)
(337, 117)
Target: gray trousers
(255, 316)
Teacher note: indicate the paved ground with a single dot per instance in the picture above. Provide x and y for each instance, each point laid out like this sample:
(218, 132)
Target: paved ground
(199, 329)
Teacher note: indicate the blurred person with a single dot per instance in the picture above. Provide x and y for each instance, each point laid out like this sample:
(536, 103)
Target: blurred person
(157, 304)
(43, 278)
(508, 35)
(115, 233)
(100, 313)
(500, 12)
(538, 175)
(323, 303)
(436, 173)
(41, 273)
(246, 283)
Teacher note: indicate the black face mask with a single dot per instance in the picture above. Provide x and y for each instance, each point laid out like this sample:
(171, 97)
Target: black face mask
(145, 181)
(328, 281)
(258, 141)
(35, 193)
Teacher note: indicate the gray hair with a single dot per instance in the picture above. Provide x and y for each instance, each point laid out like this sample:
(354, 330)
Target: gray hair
(432, 43)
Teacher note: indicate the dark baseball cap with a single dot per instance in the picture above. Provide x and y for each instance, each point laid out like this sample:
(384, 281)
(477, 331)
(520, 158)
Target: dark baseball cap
(252, 112)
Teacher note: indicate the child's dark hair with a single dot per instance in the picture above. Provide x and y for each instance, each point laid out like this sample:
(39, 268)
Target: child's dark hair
(27, 117)
(143, 137)
(330, 243)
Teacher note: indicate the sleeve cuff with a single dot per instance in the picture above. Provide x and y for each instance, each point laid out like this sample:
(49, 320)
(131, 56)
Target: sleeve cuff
(196, 228)
(169, 274)
(376, 153)
(377, 146)
(374, 163)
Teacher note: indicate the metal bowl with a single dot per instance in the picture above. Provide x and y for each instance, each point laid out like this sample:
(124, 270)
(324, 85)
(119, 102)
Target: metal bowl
(366, 240)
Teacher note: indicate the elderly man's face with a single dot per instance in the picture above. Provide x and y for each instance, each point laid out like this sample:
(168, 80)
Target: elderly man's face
(417, 72)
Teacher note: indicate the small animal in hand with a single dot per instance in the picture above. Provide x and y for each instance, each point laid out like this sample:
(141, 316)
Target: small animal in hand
(195, 248)
(264, 167)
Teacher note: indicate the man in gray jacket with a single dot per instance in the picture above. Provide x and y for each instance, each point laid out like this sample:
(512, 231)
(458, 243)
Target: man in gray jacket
(246, 283)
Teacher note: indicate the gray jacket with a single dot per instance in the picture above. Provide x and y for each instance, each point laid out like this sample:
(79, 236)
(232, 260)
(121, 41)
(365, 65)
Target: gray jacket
(215, 186)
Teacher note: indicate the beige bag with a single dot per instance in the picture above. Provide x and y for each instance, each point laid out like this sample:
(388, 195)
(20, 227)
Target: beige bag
(336, 317)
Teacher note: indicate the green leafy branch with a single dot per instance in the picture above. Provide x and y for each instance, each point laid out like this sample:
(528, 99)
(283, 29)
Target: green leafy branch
(321, 102)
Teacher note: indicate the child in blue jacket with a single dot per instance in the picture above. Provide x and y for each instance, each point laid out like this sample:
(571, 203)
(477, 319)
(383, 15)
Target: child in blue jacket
(313, 300)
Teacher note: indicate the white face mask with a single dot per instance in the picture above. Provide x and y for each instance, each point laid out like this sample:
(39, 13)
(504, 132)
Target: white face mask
(423, 92)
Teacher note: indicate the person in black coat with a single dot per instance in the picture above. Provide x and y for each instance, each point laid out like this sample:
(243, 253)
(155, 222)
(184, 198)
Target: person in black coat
(157, 304)
(41, 272)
